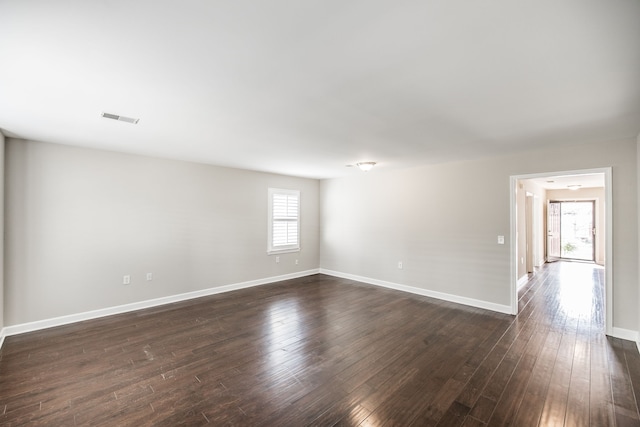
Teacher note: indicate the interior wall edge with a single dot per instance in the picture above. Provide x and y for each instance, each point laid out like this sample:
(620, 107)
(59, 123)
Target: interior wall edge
(125, 308)
(500, 308)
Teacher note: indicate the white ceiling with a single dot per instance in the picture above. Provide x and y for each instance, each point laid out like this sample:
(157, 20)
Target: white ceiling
(306, 87)
(592, 180)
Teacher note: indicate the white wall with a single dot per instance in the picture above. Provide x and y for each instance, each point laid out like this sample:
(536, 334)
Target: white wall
(77, 220)
(442, 221)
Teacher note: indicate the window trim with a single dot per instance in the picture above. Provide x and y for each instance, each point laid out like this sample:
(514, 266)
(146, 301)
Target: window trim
(288, 248)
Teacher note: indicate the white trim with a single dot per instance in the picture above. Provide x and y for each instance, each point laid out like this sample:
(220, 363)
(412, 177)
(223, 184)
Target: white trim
(513, 246)
(523, 281)
(424, 292)
(608, 215)
(625, 334)
(3, 334)
(294, 247)
(79, 317)
(282, 251)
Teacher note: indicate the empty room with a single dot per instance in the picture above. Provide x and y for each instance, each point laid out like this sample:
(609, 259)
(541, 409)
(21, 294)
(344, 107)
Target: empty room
(325, 213)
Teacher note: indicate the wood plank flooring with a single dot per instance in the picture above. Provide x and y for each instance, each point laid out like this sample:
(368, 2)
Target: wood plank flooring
(332, 352)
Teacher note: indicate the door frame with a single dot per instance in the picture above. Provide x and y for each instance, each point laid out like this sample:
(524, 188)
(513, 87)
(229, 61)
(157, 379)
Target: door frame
(608, 220)
(530, 232)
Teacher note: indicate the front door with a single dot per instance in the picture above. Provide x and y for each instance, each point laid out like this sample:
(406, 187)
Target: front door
(577, 231)
(570, 230)
(553, 231)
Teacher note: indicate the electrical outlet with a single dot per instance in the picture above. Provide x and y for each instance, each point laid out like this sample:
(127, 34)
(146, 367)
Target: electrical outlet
(126, 280)
(149, 277)
(296, 262)
(277, 259)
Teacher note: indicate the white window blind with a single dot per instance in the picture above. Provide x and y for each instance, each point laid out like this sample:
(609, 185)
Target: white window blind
(284, 220)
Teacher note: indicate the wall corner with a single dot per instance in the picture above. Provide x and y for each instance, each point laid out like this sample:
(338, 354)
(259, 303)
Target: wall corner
(638, 218)
(2, 149)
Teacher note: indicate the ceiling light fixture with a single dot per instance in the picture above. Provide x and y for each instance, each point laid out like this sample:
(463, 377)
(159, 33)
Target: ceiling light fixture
(366, 166)
(120, 118)
(574, 186)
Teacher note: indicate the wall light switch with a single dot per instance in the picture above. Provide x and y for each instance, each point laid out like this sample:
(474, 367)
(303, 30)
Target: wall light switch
(400, 265)
(501, 240)
(149, 276)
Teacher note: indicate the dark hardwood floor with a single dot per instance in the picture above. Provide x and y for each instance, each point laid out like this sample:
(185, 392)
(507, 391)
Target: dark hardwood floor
(332, 352)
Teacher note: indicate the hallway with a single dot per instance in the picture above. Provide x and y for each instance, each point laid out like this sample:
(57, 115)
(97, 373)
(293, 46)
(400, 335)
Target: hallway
(580, 375)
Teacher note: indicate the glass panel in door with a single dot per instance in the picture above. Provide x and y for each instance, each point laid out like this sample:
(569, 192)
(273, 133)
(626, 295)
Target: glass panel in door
(576, 230)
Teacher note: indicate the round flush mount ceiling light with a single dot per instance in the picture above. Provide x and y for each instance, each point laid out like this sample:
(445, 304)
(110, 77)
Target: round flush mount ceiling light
(120, 118)
(366, 166)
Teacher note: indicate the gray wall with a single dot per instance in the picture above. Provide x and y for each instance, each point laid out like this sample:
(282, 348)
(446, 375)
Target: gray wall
(442, 222)
(77, 220)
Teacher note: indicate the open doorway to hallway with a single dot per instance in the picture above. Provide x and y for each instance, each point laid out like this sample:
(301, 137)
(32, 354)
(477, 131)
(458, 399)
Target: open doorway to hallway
(581, 201)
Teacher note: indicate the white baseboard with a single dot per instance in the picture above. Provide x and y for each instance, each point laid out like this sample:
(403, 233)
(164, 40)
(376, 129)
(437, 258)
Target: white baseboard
(79, 317)
(523, 281)
(625, 334)
(621, 333)
(424, 292)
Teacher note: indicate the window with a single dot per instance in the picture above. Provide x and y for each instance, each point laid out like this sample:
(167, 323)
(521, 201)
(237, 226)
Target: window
(284, 221)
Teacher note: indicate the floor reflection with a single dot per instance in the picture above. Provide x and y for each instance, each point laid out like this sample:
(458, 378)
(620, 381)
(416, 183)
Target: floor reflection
(283, 327)
(576, 287)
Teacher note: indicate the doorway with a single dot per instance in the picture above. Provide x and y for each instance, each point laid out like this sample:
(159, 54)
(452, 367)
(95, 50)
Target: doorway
(571, 230)
(584, 247)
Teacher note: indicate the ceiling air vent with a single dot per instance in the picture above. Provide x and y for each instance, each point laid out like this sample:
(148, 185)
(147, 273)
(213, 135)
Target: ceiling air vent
(120, 118)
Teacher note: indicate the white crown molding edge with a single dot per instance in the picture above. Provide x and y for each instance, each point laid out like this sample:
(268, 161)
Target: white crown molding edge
(500, 308)
(125, 308)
